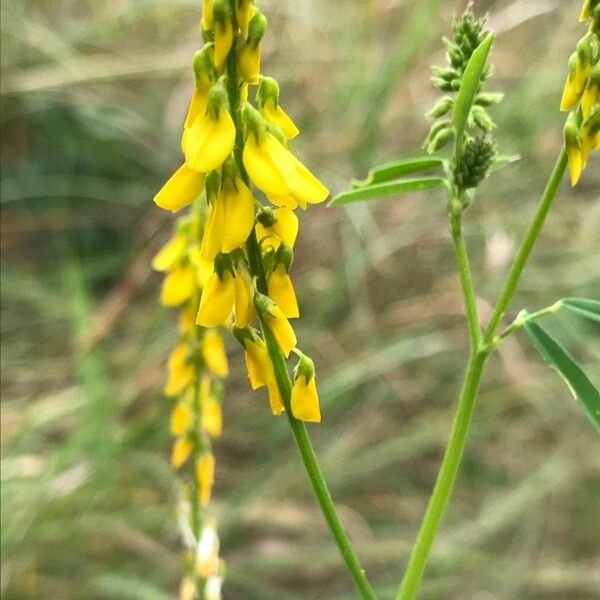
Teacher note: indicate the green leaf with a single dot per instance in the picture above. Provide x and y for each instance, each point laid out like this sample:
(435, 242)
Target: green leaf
(469, 85)
(387, 189)
(581, 387)
(583, 306)
(396, 169)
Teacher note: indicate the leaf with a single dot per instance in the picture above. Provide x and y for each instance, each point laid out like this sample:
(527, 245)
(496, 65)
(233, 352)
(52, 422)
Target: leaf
(581, 387)
(395, 169)
(469, 85)
(583, 306)
(387, 189)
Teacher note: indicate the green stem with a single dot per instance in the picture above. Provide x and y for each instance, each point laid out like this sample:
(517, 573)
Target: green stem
(522, 318)
(284, 382)
(527, 244)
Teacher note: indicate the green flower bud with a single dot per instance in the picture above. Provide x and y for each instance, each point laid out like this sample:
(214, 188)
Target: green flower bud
(481, 118)
(441, 107)
(475, 160)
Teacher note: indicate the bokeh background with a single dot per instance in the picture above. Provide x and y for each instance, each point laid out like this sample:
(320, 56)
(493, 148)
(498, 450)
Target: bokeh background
(93, 97)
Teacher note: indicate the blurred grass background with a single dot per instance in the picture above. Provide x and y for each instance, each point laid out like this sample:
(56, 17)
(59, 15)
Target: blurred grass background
(93, 97)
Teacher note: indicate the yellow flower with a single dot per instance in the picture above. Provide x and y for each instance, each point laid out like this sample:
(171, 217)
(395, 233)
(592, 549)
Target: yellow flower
(281, 329)
(207, 552)
(244, 10)
(212, 418)
(590, 135)
(573, 145)
(213, 353)
(207, 14)
(591, 94)
(275, 401)
(285, 227)
(281, 291)
(181, 418)
(183, 187)
(249, 61)
(277, 172)
(187, 589)
(223, 30)
(244, 298)
(217, 300)
(182, 448)
(170, 254)
(203, 267)
(305, 401)
(181, 372)
(197, 106)
(210, 139)
(205, 473)
(258, 363)
(178, 286)
(277, 116)
(187, 319)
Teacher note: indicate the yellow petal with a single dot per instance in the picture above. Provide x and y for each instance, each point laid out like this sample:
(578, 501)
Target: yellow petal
(245, 311)
(178, 286)
(281, 329)
(209, 141)
(223, 41)
(183, 187)
(212, 419)
(203, 266)
(205, 474)
(170, 254)
(181, 372)
(588, 98)
(212, 240)
(182, 448)
(281, 291)
(305, 401)
(244, 10)
(306, 187)
(249, 62)
(286, 228)
(277, 116)
(258, 364)
(217, 301)
(207, 14)
(275, 402)
(213, 352)
(181, 418)
(197, 106)
(239, 215)
(187, 320)
(575, 164)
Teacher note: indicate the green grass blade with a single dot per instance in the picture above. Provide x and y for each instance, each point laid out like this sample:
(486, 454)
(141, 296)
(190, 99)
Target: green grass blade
(381, 190)
(395, 169)
(581, 387)
(469, 85)
(583, 306)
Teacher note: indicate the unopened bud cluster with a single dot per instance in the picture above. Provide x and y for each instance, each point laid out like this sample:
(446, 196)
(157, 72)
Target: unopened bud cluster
(476, 158)
(581, 94)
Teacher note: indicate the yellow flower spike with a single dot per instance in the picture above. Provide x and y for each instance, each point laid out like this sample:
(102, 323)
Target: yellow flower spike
(281, 223)
(213, 353)
(573, 146)
(244, 11)
(181, 418)
(205, 473)
(277, 322)
(223, 31)
(182, 448)
(211, 137)
(178, 286)
(281, 291)
(218, 296)
(181, 189)
(277, 116)
(275, 401)
(207, 14)
(212, 419)
(170, 254)
(244, 298)
(239, 214)
(305, 400)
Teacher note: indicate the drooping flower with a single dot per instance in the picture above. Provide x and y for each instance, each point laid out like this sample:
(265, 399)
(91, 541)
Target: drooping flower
(205, 473)
(181, 189)
(305, 400)
(218, 297)
(267, 98)
(213, 353)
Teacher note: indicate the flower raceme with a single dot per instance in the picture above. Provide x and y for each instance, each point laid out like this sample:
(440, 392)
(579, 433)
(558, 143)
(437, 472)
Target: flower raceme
(581, 94)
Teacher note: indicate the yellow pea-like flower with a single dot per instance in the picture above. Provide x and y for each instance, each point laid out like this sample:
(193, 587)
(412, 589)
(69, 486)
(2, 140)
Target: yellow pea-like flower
(275, 401)
(239, 214)
(277, 116)
(285, 228)
(217, 301)
(244, 10)
(181, 189)
(281, 329)
(258, 363)
(203, 266)
(305, 400)
(207, 14)
(178, 286)
(212, 418)
(223, 40)
(245, 311)
(181, 373)
(170, 254)
(205, 473)
(182, 448)
(249, 61)
(181, 418)
(213, 353)
(197, 106)
(279, 174)
(281, 291)
(590, 136)
(216, 223)
(209, 140)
